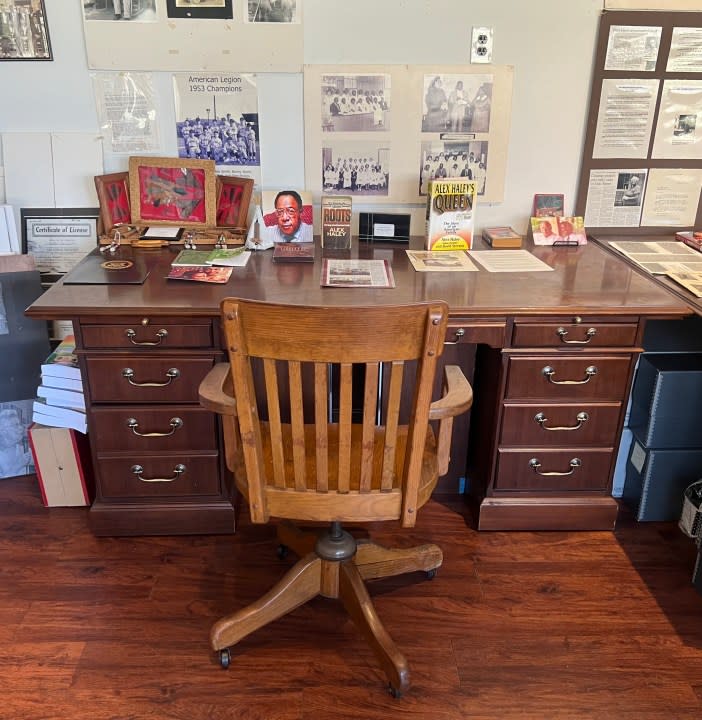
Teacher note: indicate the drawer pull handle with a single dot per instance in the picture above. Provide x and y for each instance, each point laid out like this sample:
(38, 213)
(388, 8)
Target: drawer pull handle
(458, 334)
(171, 374)
(534, 464)
(549, 372)
(581, 417)
(178, 470)
(562, 332)
(176, 423)
(160, 335)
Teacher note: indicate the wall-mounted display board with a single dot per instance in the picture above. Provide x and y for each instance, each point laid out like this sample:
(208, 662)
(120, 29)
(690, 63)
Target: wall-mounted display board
(642, 162)
(179, 35)
(380, 133)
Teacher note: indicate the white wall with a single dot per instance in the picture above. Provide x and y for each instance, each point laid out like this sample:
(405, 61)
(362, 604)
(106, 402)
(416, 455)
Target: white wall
(550, 43)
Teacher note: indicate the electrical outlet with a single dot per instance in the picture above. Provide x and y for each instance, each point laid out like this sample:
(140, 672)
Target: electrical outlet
(481, 45)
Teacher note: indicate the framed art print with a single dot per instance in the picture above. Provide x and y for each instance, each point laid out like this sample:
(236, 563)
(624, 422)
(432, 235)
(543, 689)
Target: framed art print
(199, 9)
(172, 191)
(113, 195)
(24, 33)
(233, 198)
(548, 205)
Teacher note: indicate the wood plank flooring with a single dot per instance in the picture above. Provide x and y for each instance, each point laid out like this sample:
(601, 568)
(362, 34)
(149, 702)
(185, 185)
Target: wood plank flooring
(515, 625)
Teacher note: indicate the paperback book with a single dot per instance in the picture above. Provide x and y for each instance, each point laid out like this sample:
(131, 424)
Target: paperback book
(55, 416)
(62, 362)
(293, 252)
(200, 273)
(336, 222)
(450, 214)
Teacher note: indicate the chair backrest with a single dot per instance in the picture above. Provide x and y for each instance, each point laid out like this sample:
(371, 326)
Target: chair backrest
(292, 365)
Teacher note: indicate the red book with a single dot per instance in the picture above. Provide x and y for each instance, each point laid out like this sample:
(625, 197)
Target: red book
(690, 239)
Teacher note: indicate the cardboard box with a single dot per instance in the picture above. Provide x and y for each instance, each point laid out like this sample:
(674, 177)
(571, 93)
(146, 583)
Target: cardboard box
(63, 465)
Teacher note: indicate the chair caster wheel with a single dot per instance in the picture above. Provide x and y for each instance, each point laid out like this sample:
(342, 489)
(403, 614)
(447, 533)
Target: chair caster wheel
(282, 552)
(431, 574)
(225, 658)
(394, 691)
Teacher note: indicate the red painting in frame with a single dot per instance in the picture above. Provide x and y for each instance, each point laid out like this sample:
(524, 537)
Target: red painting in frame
(113, 194)
(233, 199)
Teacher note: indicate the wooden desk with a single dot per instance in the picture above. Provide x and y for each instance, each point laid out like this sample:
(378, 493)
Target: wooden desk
(533, 461)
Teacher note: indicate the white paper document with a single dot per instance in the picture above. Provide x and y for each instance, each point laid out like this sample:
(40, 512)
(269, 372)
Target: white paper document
(685, 50)
(660, 258)
(633, 47)
(509, 261)
(625, 118)
(672, 196)
(614, 198)
(679, 128)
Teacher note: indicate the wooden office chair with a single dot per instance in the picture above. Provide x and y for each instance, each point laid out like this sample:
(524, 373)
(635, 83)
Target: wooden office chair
(292, 459)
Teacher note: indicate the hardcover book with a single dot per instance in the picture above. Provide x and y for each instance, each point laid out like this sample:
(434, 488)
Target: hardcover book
(55, 416)
(63, 361)
(691, 239)
(336, 222)
(63, 466)
(450, 214)
(293, 252)
(502, 237)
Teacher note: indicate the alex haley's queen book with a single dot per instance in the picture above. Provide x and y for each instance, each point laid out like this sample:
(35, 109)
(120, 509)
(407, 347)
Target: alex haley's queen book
(450, 214)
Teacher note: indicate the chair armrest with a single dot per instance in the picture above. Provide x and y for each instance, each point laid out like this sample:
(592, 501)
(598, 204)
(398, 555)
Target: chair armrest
(216, 391)
(457, 398)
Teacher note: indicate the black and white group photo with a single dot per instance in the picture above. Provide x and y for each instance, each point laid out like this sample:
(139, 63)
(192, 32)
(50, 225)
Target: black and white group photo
(356, 169)
(355, 103)
(24, 34)
(453, 159)
(135, 10)
(273, 11)
(457, 103)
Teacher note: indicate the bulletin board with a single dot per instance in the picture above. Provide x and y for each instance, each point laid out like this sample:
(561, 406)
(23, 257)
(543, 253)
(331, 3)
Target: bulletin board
(641, 171)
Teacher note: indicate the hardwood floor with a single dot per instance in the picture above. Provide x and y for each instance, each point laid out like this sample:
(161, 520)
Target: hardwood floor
(515, 625)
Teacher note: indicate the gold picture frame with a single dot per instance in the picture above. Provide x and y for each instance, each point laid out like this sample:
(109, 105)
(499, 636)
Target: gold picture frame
(173, 191)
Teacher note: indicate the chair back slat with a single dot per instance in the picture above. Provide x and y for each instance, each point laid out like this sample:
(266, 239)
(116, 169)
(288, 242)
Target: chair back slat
(321, 425)
(370, 409)
(322, 436)
(274, 424)
(392, 415)
(297, 424)
(345, 423)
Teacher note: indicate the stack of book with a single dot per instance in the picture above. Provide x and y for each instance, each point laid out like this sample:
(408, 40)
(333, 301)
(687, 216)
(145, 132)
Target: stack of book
(60, 401)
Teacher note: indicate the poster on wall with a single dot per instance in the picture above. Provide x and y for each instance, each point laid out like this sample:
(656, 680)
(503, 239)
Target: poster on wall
(217, 119)
(118, 10)
(126, 108)
(273, 11)
(24, 33)
(414, 123)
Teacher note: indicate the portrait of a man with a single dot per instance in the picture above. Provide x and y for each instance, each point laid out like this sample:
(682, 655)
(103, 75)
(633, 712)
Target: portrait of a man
(287, 216)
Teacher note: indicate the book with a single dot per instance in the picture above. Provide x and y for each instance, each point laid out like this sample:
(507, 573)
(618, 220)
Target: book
(55, 416)
(690, 281)
(357, 273)
(60, 383)
(62, 464)
(191, 257)
(293, 252)
(450, 214)
(502, 237)
(224, 257)
(691, 239)
(200, 273)
(336, 222)
(63, 361)
(62, 398)
(441, 261)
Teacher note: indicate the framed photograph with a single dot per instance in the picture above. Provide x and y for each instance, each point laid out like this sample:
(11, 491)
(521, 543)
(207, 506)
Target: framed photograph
(233, 199)
(113, 195)
(199, 9)
(24, 33)
(172, 191)
(548, 205)
(58, 238)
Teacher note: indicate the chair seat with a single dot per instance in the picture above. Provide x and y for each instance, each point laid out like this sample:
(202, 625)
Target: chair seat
(377, 503)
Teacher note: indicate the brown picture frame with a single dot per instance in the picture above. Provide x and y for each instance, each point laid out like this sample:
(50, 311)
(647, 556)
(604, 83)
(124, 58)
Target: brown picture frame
(172, 191)
(113, 195)
(233, 200)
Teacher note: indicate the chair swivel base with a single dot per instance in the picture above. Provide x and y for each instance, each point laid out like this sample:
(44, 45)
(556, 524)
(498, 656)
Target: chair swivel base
(341, 579)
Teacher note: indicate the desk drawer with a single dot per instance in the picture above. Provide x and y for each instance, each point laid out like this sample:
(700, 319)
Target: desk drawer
(145, 379)
(574, 335)
(578, 470)
(148, 334)
(157, 429)
(566, 424)
(159, 476)
(568, 377)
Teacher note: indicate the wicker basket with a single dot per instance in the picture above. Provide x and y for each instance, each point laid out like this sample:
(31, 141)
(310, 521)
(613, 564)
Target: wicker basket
(691, 516)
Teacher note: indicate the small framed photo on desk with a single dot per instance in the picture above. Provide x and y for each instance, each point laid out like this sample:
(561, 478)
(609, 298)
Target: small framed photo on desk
(233, 200)
(548, 205)
(113, 195)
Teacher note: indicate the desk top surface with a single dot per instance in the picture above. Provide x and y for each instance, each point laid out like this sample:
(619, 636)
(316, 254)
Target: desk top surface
(586, 280)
